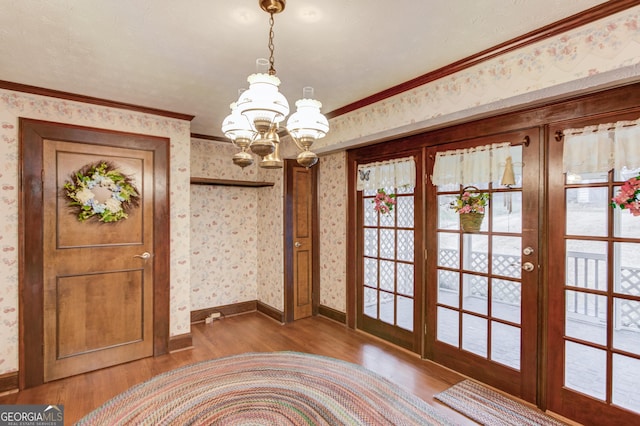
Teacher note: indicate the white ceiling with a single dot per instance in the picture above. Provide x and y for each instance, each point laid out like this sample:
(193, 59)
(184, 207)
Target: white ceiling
(192, 56)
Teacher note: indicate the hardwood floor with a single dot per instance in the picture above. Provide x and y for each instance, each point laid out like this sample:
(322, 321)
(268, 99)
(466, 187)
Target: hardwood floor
(252, 332)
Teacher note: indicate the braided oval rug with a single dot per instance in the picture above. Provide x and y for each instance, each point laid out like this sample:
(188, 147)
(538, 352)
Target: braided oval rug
(274, 388)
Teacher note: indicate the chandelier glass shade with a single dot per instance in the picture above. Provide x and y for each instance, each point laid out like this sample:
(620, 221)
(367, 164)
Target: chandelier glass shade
(255, 118)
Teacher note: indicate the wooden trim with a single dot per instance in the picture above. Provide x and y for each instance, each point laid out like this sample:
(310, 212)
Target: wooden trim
(210, 138)
(180, 342)
(227, 182)
(9, 382)
(30, 273)
(333, 314)
(91, 100)
(590, 15)
(270, 312)
(225, 310)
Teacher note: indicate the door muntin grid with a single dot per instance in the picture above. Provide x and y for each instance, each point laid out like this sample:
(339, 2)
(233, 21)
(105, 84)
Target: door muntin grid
(479, 275)
(601, 292)
(389, 268)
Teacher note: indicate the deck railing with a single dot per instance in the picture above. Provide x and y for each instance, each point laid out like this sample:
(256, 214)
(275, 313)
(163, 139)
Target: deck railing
(584, 270)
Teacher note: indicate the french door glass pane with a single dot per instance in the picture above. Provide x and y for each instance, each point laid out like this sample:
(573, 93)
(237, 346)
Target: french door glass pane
(404, 205)
(587, 264)
(476, 253)
(371, 242)
(587, 211)
(506, 297)
(506, 256)
(371, 302)
(506, 208)
(474, 334)
(387, 308)
(447, 218)
(586, 317)
(627, 266)
(448, 288)
(448, 250)
(405, 279)
(475, 294)
(626, 376)
(506, 350)
(387, 243)
(626, 332)
(585, 369)
(448, 326)
(405, 313)
(387, 275)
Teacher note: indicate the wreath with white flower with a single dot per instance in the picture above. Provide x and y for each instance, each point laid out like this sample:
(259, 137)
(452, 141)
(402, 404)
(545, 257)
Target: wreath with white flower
(99, 190)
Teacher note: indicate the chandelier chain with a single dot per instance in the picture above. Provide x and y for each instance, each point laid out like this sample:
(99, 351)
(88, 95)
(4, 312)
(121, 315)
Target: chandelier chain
(272, 70)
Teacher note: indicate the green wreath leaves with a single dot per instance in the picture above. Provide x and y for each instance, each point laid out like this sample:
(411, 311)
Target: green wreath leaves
(82, 187)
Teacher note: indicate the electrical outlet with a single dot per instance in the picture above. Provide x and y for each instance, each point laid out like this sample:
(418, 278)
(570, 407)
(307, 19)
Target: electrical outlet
(215, 315)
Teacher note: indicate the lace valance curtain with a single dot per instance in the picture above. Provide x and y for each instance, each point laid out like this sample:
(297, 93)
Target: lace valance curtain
(473, 165)
(387, 174)
(598, 149)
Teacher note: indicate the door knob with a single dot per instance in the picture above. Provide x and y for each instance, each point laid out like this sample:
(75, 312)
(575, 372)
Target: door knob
(145, 255)
(528, 266)
(297, 244)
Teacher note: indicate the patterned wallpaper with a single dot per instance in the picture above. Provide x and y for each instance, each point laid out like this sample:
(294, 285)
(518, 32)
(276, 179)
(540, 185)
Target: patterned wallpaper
(14, 105)
(332, 211)
(600, 53)
(239, 230)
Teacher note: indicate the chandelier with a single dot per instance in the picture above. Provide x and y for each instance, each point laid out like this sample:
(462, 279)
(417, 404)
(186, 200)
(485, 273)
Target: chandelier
(254, 122)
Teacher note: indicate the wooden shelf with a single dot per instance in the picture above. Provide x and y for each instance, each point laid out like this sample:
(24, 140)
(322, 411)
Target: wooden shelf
(227, 182)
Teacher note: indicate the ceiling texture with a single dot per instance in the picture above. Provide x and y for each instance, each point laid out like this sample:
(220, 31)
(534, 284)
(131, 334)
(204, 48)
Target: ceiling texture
(193, 56)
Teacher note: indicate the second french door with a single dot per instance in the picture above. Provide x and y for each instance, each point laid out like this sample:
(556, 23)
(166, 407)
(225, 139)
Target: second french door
(482, 287)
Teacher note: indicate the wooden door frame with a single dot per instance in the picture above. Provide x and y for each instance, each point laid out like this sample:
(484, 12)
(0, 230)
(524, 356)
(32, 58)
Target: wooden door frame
(31, 257)
(289, 166)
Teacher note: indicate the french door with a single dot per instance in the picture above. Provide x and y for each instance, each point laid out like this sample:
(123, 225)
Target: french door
(389, 294)
(594, 293)
(482, 287)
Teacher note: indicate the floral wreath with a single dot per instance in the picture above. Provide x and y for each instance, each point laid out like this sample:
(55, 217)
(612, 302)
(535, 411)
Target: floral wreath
(384, 202)
(80, 190)
(628, 197)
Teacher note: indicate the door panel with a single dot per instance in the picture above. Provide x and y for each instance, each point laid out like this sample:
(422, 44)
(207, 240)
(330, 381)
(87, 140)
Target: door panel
(389, 293)
(98, 296)
(594, 293)
(477, 289)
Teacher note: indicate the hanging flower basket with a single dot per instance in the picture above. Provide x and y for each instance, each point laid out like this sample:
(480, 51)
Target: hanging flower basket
(471, 207)
(471, 222)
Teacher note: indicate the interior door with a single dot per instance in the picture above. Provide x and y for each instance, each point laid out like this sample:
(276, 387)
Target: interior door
(482, 287)
(93, 294)
(300, 244)
(594, 291)
(98, 277)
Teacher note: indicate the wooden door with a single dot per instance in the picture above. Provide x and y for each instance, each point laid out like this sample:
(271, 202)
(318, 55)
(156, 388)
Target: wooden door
(594, 291)
(300, 243)
(100, 291)
(389, 270)
(481, 301)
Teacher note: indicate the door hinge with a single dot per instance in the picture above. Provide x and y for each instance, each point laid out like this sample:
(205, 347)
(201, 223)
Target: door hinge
(425, 254)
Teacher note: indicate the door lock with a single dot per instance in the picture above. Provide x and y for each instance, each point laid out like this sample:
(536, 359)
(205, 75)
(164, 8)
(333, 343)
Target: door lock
(528, 266)
(528, 251)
